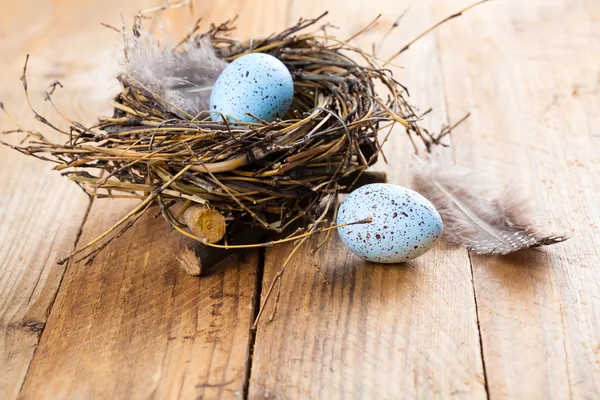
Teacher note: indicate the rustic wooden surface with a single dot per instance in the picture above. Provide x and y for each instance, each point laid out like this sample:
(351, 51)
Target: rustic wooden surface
(534, 91)
(41, 214)
(136, 320)
(448, 324)
(368, 325)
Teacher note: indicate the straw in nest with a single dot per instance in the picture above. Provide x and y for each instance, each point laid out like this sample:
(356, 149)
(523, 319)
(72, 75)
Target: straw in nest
(259, 174)
(207, 177)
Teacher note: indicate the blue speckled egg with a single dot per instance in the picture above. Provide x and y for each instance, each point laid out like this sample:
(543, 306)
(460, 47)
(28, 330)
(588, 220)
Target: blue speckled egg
(256, 83)
(405, 224)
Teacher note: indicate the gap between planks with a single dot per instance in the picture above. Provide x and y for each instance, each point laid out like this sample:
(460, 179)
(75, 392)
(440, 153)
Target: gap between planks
(258, 284)
(256, 291)
(348, 274)
(450, 138)
(485, 378)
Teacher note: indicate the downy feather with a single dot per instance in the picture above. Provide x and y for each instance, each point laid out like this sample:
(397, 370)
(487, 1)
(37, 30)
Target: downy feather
(478, 213)
(181, 80)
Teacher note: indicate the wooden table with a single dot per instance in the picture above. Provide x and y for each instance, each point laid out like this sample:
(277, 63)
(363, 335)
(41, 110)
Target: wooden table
(449, 324)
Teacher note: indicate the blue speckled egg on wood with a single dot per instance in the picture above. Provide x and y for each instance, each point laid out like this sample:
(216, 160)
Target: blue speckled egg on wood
(405, 224)
(256, 83)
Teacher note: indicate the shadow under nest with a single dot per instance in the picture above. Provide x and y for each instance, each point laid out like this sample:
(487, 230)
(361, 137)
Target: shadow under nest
(261, 174)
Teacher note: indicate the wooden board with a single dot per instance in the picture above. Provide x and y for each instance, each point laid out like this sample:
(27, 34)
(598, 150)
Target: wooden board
(133, 326)
(528, 72)
(41, 213)
(372, 331)
(38, 226)
(134, 319)
(375, 331)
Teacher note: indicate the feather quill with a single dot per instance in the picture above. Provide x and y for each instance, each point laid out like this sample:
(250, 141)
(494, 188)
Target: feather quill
(477, 213)
(181, 80)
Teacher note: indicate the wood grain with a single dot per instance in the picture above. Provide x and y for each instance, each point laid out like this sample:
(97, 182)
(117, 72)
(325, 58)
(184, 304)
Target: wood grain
(38, 227)
(40, 212)
(375, 331)
(134, 325)
(529, 74)
(136, 320)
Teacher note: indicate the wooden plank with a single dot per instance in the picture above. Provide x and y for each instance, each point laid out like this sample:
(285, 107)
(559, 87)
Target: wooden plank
(375, 331)
(41, 213)
(38, 227)
(528, 72)
(134, 325)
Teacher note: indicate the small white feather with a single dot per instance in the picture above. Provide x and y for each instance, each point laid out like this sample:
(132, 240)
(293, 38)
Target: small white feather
(182, 79)
(477, 212)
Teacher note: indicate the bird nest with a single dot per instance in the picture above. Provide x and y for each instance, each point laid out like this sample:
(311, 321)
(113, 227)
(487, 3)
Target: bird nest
(255, 174)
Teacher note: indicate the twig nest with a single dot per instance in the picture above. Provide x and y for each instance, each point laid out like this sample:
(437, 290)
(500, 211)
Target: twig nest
(404, 224)
(160, 144)
(205, 222)
(255, 86)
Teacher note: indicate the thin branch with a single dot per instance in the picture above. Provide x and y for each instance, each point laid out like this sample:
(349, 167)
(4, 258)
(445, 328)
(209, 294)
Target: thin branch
(455, 15)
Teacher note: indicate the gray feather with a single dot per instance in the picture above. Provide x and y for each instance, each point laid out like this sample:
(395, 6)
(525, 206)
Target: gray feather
(477, 213)
(182, 80)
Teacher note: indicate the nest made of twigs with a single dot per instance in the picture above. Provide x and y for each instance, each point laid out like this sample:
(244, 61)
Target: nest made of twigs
(262, 174)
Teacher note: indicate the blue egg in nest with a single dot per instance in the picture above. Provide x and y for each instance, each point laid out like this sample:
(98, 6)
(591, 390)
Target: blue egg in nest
(255, 84)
